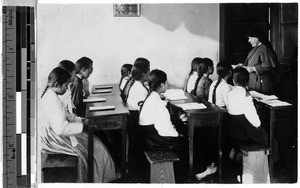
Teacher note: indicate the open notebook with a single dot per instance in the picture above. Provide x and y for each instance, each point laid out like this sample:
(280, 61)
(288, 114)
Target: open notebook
(276, 102)
(103, 87)
(270, 100)
(102, 91)
(174, 94)
(102, 108)
(261, 97)
(191, 106)
(94, 100)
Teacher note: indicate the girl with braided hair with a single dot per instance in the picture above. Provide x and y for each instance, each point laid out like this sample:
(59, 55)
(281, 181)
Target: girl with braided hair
(219, 89)
(190, 81)
(203, 81)
(157, 132)
(61, 134)
(125, 75)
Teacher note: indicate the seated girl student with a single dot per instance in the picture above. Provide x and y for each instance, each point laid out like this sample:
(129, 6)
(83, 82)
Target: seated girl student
(206, 68)
(219, 89)
(66, 98)
(83, 68)
(86, 87)
(130, 81)
(125, 75)
(56, 127)
(156, 129)
(190, 82)
(243, 121)
(137, 92)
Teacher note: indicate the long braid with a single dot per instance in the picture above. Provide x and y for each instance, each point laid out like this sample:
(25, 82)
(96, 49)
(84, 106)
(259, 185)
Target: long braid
(121, 80)
(215, 88)
(45, 91)
(126, 91)
(194, 91)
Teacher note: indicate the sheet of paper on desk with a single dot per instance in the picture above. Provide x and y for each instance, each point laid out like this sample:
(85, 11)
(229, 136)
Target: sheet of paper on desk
(175, 94)
(102, 91)
(103, 87)
(261, 97)
(276, 102)
(94, 100)
(101, 108)
(191, 106)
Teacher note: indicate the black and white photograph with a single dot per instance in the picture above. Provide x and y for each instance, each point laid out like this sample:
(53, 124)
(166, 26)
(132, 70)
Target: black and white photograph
(180, 93)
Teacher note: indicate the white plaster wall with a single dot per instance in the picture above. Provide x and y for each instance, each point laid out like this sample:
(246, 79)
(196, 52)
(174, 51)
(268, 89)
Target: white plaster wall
(169, 36)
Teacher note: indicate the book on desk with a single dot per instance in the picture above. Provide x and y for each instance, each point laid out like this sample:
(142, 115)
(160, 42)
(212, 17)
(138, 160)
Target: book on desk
(270, 100)
(102, 108)
(102, 91)
(103, 87)
(174, 94)
(94, 100)
(191, 106)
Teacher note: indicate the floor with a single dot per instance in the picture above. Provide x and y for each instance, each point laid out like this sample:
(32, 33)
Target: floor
(139, 174)
(285, 171)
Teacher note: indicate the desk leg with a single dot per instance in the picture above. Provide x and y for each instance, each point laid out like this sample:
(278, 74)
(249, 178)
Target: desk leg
(191, 124)
(220, 146)
(90, 155)
(124, 146)
(272, 125)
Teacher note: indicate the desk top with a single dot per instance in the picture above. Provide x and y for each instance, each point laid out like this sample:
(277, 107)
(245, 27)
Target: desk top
(210, 107)
(115, 100)
(273, 104)
(106, 89)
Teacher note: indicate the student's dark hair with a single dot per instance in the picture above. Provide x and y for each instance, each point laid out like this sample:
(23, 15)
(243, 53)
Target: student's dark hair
(155, 78)
(142, 60)
(83, 62)
(195, 64)
(125, 70)
(241, 76)
(67, 65)
(223, 69)
(204, 65)
(141, 65)
(58, 75)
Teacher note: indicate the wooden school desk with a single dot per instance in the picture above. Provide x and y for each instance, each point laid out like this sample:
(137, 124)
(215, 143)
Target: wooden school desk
(212, 116)
(277, 114)
(106, 89)
(107, 120)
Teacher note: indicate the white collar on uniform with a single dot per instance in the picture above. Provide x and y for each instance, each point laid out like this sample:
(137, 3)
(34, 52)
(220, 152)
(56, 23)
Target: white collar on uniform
(195, 73)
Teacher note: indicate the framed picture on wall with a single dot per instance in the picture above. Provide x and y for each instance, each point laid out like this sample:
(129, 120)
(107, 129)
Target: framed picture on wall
(127, 10)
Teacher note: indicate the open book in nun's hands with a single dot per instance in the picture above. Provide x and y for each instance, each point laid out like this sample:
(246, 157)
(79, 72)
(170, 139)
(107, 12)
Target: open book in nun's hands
(174, 94)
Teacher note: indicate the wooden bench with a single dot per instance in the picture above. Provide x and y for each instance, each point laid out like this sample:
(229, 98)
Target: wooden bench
(161, 166)
(60, 168)
(255, 163)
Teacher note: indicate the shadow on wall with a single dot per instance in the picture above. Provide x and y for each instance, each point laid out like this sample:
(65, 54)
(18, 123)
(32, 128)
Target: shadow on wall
(170, 16)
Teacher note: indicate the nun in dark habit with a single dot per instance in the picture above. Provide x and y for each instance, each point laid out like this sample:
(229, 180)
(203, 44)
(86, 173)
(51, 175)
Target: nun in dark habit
(260, 62)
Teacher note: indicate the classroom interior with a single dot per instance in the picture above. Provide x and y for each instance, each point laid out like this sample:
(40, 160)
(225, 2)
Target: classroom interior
(170, 36)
